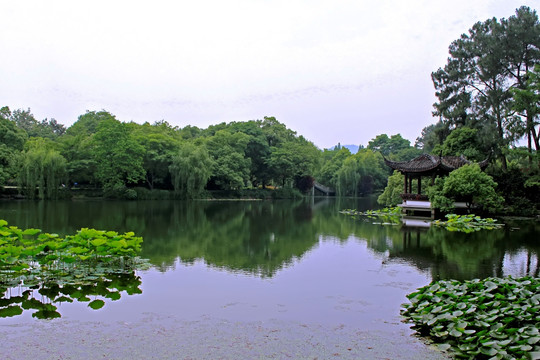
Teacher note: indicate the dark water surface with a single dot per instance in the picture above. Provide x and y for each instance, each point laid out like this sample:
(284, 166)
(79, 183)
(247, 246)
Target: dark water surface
(300, 262)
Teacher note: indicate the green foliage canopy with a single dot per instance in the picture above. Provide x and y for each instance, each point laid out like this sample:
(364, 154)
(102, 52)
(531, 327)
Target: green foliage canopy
(362, 173)
(468, 183)
(462, 141)
(118, 156)
(231, 167)
(42, 167)
(12, 140)
(388, 145)
(160, 143)
(391, 195)
(475, 86)
(191, 169)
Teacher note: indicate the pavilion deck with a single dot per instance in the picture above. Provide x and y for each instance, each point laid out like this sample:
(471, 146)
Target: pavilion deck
(416, 206)
(420, 209)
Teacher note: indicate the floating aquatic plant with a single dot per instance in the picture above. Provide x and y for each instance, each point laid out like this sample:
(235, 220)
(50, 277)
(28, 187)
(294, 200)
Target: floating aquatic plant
(23, 250)
(385, 216)
(462, 223)
(494, 318)
(65, 269)
(467, 223)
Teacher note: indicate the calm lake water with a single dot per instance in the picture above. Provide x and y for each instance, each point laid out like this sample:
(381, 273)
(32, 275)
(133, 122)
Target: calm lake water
(298, 262)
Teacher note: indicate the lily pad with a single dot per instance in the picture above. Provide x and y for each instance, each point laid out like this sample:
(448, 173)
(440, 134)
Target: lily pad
(492, 323)
(96, 304)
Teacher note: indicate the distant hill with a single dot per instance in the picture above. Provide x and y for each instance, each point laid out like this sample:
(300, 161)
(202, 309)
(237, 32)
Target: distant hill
(352, 148)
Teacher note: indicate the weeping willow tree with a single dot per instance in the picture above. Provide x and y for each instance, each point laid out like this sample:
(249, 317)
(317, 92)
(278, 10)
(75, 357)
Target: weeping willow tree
(361, 174)
(190, 170)
(391, 195)
(44, 169)
(348, 177)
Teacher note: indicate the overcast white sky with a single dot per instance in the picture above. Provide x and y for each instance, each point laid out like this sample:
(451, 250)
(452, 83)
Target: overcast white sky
(334, 71)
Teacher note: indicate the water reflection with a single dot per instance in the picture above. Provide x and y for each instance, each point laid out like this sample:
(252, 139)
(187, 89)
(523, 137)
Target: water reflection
(43, 298)
(453, 255)
(261, 237)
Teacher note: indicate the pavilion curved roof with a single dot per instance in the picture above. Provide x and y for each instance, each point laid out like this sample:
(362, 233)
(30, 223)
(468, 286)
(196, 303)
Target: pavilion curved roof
(427, 163)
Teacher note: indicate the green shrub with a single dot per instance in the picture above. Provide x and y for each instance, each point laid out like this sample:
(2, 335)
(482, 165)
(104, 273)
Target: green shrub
(286, 193)
(391, 195)
(468, 183)
(156, 194)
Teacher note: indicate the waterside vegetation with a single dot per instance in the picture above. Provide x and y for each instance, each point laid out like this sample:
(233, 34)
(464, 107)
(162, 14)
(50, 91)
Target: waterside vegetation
(385, 216)
(460, 223)
(493, 318)
(467, 223)
(48, 269)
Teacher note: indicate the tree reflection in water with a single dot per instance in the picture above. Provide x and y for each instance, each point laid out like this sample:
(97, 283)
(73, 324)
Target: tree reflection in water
(262, 237)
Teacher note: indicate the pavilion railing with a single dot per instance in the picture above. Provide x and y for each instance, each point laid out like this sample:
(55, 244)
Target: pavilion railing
(416, 197)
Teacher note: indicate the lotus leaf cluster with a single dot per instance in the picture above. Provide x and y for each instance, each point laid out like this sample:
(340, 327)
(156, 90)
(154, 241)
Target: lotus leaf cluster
(386, 216)
(65, 269)
(494, 318)
(22, 250)
(467, 223)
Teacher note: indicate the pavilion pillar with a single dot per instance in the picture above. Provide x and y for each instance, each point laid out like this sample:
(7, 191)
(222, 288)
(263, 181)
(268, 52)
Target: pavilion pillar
(419, 185)
(405, 184)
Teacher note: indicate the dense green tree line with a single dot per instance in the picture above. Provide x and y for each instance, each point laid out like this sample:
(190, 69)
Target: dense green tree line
(100, 152)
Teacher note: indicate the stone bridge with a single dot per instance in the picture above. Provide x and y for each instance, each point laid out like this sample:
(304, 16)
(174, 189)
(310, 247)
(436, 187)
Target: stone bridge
(324, 189)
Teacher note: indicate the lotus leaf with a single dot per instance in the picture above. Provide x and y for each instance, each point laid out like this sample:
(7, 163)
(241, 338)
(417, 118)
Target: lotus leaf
(113, 295)
(96, 304)
(63, 299)
(12, 300)
(46, 314)
(492, 324)
(31, 232)
(56, 265)
(31, 304)
(79, 250)
(98, 242)
(11, 311)
(444, 347)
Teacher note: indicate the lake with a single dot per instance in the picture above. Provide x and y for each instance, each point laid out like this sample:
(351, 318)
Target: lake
(258, 279)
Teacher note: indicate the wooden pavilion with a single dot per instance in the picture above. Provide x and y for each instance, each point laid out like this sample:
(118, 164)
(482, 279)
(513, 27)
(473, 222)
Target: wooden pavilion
(426, 165)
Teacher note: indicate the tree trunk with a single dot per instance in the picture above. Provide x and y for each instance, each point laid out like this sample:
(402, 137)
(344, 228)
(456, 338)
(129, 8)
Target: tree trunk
(535, 137)
(150, 181)
(532, 136)
(529, 143)
(501, 138)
